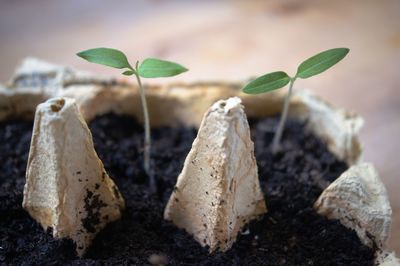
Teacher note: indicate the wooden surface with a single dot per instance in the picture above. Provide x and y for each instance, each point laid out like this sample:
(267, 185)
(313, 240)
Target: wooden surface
(233, 40)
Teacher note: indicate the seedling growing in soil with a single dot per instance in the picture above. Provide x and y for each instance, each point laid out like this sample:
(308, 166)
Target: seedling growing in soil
(149, 68)
(275, 80)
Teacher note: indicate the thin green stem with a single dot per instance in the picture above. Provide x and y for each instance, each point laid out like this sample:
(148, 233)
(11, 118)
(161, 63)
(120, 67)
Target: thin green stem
(279, 131)
(147, 137)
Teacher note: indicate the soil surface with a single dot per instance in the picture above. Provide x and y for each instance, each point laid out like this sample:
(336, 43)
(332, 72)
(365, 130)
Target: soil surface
(291, 233)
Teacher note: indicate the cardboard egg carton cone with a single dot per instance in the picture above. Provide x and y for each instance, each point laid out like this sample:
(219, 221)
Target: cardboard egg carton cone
(358, 199)
(67, 187)
(218, 191)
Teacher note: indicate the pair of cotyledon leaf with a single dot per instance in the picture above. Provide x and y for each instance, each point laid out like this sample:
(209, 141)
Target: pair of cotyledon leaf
(149, 68)
(311, 67)
(275, 80)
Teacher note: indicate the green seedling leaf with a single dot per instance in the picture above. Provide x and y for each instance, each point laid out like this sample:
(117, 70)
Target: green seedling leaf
(321, 62)
(268, 82)
(128, 73)
(106, 56)
(156, 68)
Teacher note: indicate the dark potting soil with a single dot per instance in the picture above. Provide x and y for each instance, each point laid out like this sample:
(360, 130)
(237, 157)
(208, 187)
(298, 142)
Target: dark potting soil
(291, 233)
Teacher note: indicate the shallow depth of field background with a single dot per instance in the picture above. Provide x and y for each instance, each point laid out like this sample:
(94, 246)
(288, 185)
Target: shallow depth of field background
(233, 40)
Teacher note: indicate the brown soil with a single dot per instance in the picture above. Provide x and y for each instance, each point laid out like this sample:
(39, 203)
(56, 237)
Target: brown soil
(290, 234)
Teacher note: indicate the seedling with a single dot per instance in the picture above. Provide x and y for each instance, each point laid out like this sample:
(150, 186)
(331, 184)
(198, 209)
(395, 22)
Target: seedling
(149, 68)
(275, 80)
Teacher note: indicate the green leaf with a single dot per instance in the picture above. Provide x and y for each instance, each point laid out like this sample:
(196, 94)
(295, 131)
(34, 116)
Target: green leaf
(128, 73)
(268, 82)
(156, 68)
(321, 62)
(106, 56)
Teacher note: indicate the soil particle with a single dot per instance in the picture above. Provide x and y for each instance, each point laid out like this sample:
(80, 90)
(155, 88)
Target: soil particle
(291, 233)
(93, 204)
(158, 259)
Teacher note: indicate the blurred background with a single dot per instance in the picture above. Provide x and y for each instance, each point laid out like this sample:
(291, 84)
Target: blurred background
(233, 40)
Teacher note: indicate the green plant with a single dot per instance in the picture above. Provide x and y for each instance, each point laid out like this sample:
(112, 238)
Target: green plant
(149, 68)
(275, 80)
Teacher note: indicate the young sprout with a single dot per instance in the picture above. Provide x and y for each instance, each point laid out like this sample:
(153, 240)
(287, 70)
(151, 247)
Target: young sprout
(149, 68)
(275, 80)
